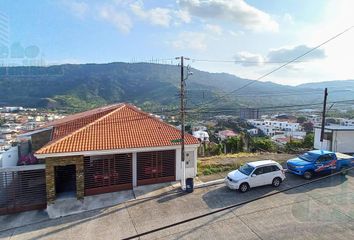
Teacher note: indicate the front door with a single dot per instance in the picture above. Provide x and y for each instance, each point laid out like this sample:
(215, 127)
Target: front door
(65, 179)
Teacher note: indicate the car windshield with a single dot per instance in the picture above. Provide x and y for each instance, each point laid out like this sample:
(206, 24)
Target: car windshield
(246, 169)
(308, 157)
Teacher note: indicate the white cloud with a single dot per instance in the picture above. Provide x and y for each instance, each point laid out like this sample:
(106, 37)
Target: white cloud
(248, 59)
(156, 16)
(236, 33)
(280, 55)
(236, 11)
(119, 19)
(190, 41)
(215, 29)
(183, 16)
(288, 53)
(288, 19)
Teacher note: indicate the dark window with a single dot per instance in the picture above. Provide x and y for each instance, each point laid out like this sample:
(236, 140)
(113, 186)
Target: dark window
(327, 136)
(267, 169)
(275, 168)
(259, 171)
(324, 158)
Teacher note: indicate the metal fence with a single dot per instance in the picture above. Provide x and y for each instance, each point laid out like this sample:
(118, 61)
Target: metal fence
(108, 173)
(22, 189)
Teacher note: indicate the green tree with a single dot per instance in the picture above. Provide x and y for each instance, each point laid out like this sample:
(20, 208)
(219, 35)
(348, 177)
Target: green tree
(2, 121)
(308, 127)
(232, 144)
(215, 149)
(301, 119)
(262, 144)
(308, 140)
(293, 146)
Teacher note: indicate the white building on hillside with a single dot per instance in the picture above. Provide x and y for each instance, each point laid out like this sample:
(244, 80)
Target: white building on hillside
(202, 136)
(346, 122)
(271, 128)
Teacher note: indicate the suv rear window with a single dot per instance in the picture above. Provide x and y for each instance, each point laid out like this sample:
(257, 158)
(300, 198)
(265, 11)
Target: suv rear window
(268, 169)
(275, 168)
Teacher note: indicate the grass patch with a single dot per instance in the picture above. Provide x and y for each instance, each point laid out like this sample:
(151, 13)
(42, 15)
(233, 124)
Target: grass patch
(228, 162)
(209, 169)
(230, 155)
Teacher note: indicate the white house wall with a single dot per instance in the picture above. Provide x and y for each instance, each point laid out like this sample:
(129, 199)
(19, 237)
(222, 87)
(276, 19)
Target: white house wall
(343, 141)
(190, 172)
(326, 145)
(10, 157)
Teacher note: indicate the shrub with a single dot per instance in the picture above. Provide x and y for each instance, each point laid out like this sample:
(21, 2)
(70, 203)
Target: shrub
(263, 144)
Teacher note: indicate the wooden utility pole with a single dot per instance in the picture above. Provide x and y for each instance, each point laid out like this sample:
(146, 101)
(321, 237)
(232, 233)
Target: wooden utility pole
(323, 117)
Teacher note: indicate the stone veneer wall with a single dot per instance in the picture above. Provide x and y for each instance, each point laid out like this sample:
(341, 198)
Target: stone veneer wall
(40, 139)
(51, 162)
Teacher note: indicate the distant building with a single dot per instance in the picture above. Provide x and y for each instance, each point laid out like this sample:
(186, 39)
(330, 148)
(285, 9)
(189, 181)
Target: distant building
(249, 113)
(314, 118)
(199, 128)
(253, 131)
(271, 128)
(13, 109)
(202, 136)
(336, 138)
(285, 118)
(347, 122)
(226, 134)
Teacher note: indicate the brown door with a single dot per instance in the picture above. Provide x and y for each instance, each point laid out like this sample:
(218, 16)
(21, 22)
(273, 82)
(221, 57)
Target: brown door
(108, 173)
(156, 167)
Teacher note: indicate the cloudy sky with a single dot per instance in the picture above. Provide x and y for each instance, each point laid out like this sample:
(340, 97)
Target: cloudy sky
(247, 38)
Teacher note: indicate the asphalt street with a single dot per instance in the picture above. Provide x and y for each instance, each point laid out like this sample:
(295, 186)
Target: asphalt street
(321, 210)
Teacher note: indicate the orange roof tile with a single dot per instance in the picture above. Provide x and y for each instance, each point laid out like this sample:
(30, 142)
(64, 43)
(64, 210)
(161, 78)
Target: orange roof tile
(122, 127)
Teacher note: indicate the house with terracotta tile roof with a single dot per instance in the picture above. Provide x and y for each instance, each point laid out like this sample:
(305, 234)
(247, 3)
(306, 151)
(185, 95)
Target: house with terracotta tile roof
(108, 149)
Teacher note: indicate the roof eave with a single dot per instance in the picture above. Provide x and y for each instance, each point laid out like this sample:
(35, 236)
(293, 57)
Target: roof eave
(113, 151)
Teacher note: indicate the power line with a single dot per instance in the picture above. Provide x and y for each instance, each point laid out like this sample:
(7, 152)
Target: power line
(191, 111)
(278, 68)
(241, 61)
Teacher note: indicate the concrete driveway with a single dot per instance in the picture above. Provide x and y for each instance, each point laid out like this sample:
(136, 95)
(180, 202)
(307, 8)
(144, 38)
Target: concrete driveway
(322, 210)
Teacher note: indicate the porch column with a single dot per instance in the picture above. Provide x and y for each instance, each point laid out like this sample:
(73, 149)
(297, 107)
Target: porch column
(135, 173)
(80, 181)
(178, 164)
(50, 182)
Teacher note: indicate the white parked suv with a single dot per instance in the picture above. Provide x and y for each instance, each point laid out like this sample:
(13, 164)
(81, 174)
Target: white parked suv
(254, 174)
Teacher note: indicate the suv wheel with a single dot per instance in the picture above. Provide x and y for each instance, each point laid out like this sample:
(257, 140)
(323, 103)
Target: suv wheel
(244, 187)
(276, 182)
(308, 175)
(344, 170)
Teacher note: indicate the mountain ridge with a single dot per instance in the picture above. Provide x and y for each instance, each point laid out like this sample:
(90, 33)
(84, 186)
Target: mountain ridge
(84, 86)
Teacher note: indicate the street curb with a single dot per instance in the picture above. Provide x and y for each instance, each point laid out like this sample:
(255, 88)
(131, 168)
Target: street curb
(210, 183)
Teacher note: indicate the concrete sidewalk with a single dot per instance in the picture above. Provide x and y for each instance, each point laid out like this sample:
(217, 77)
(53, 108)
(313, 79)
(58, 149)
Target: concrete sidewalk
(67, 205)
(323, 210)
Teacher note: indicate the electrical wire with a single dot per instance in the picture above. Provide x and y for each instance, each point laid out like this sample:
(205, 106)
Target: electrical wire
(277, 68)
(191, 111)
(240, 61)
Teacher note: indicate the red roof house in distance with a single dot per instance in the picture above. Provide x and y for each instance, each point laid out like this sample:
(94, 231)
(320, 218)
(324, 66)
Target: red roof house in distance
(108, 149)
(226, 134)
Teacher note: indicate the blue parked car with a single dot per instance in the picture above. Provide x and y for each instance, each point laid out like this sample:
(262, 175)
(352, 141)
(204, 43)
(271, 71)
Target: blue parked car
(319, 161)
